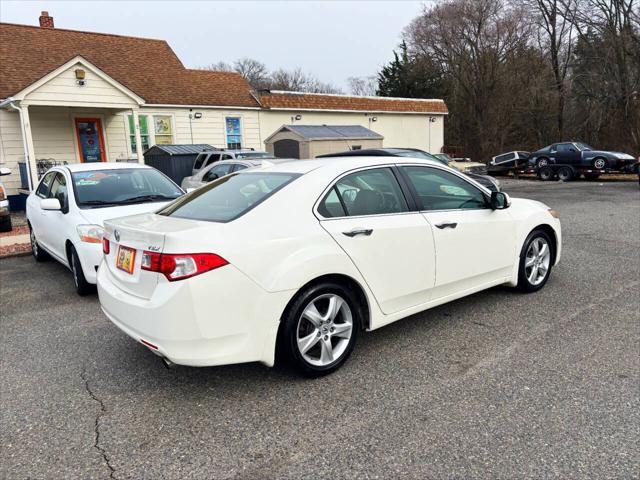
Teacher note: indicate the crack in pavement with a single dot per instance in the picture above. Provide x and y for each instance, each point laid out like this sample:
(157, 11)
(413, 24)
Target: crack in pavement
(103, 410)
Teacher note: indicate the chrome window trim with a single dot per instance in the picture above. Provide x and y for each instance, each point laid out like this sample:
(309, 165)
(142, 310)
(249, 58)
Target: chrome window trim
(333, 182)
(485, 191)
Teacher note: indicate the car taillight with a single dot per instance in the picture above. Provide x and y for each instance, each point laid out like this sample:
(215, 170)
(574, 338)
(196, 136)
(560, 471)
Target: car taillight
(178, 266)
(106, 246)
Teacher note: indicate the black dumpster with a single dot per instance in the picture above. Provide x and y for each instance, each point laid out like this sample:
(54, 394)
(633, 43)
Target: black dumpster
(175, 161)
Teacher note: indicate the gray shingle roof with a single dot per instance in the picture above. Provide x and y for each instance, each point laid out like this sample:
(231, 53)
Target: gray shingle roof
(188, 149)
(311, 132)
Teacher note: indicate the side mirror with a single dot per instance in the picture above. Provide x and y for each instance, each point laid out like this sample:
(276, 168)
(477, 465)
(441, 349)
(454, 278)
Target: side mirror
(500, 201)
(50, 204)
(5, 171)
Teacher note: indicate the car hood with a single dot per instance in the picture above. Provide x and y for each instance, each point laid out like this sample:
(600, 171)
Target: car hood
(97, 216)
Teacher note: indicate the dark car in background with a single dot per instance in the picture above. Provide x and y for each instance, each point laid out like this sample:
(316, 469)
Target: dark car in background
(484, 180)
(578, 154)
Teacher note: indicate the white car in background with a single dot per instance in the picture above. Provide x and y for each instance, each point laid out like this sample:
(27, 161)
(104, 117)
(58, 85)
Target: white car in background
(67, 210)
(5, 215)
(307, 253)
(222, 168)
(214, 171)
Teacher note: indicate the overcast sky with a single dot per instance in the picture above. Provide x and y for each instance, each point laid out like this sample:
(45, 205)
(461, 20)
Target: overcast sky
(331, 39)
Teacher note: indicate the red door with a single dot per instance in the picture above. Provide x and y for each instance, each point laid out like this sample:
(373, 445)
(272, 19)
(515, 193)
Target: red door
(90, 141)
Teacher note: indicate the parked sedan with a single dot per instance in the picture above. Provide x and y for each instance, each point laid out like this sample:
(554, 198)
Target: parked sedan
(216, 170)
(484, 180)
(580, 154)
(67, 210)
(308, 254)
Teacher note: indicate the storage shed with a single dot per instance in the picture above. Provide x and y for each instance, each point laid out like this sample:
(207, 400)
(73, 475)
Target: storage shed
(175, 161)
(309, 141)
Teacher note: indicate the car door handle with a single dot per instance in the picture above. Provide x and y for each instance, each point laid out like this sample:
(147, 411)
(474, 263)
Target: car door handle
(444, 225)
(358, 231)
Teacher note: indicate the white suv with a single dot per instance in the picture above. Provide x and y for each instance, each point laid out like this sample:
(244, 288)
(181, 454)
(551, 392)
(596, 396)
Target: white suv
(207, 158)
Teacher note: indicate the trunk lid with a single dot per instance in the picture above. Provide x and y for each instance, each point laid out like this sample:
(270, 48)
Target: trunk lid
(146, 232)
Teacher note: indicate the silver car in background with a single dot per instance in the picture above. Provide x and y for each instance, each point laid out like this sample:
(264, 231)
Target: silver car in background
(217, 170)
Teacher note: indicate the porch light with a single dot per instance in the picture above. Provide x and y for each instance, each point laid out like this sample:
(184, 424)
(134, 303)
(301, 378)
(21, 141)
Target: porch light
(80, 74)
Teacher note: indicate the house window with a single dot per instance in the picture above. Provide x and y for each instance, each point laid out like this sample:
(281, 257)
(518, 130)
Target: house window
(163, 131)
(144, 133)
(234, 133)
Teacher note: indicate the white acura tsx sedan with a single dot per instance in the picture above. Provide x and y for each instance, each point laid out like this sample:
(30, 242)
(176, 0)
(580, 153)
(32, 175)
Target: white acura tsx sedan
(299, 257)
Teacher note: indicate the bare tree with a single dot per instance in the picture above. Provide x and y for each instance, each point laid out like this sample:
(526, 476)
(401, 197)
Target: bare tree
(253, 71)
(608, 32)
(220, 66)
(299, 81)
(555, 37)
(363, 86)
(474, 42)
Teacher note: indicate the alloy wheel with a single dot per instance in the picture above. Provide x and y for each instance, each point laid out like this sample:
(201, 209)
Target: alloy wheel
(537, 261)
(543, 162)
(324, 329)
(599, 163)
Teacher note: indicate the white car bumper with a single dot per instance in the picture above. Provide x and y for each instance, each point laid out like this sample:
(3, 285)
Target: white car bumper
(196, 322)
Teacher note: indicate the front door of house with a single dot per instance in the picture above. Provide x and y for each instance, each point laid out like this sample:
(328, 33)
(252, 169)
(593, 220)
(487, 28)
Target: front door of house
(90, 141)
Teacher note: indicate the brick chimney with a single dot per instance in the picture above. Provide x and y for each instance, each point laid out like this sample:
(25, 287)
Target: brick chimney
(45, 20)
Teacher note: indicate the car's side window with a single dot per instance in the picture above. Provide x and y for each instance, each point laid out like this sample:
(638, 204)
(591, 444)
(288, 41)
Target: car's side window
(214, 157)
(238, 166)
(217, 172)
(45, 185)
(226, 157)
(368, 192)
(59, 190)
(565, 147)
(441, 190)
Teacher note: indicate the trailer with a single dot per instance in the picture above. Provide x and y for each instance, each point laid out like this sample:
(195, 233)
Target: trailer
(566, 172)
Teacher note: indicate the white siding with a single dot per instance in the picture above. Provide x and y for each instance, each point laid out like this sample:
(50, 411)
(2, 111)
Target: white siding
(64, 90)
(11, 150)
(208, 129)
(398, 130)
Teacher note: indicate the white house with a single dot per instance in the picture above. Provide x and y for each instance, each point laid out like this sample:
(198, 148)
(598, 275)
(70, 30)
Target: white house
(72, 96)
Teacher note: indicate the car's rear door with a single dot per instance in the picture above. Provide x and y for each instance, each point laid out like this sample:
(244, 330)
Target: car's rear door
(474, 244)
(369, 216)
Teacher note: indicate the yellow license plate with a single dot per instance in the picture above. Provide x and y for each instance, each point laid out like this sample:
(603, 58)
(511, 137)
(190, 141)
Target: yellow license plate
(126, 259)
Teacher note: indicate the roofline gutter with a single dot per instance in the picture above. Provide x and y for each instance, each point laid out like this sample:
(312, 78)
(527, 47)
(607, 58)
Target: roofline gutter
(10, 102)
(215, 107)
(379, 112)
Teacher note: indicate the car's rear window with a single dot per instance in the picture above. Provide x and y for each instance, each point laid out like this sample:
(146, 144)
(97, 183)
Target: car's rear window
(228, 197)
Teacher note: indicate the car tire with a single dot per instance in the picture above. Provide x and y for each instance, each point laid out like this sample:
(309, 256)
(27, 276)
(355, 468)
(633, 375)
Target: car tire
(566, 174)
(533, 259)
(600, 163)
(542, 162)
(330, 337)
(36, 250)
(545, 173)
(82, 286)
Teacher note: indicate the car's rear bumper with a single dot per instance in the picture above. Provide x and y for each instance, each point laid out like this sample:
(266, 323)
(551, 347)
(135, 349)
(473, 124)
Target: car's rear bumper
(220, 317)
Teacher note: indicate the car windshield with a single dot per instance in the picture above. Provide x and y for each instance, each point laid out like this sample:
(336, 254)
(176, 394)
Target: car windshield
(101, 188)
(583, 146)
(229, 197)
(253, 155)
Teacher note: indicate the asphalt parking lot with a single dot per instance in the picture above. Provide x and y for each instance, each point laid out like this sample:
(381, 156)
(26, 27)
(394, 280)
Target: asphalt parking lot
(496, 385)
